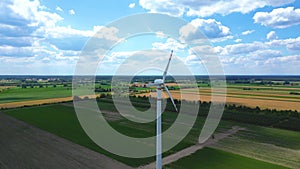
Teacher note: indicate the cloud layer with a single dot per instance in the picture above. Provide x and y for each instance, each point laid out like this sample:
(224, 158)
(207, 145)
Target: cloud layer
(37, 39)
(31, 34)
(278, 18)
(207, 8)
(199, 29)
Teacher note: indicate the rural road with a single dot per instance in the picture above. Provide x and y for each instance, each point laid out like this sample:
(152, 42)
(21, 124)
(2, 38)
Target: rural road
(24, 146)
(190, 150)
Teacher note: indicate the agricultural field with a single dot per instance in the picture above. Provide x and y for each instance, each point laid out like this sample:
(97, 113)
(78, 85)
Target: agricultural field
(271, 145)
(272, 94)
(279, 97)
(264, 110)
(208, 158)
(41, 93)
(16, 94)
(150, 84)
(60, 119)
(25, 88)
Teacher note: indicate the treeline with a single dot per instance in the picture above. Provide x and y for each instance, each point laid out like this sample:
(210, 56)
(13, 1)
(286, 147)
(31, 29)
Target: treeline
(43, 85)
(265, 117)
(100, 89)
(284, 119)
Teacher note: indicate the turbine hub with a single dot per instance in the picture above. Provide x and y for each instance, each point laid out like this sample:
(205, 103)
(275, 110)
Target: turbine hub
(158, 81)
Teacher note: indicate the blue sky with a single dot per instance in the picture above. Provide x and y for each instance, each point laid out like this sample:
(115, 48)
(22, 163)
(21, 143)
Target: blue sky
(249, 37)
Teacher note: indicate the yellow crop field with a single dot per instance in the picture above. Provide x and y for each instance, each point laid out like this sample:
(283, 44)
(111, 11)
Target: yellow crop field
(264, 99)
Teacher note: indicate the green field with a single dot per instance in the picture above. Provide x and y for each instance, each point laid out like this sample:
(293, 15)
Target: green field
(278, 137)
(23, 94)
(275, 146)
(61, 120)
(209, 158)
(16, 94)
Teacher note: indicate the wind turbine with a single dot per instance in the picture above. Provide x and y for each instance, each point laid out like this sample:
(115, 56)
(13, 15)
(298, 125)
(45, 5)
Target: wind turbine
(159, 83)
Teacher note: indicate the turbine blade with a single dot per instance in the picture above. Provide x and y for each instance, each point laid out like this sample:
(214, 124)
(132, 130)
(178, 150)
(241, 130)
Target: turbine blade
(166, 70)
(170, 97)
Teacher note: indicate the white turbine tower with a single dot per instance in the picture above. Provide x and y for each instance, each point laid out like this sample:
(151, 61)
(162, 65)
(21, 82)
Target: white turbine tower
(159, 83)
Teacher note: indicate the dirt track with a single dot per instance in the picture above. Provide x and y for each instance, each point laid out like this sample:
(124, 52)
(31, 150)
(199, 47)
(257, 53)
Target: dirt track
(190, 150)
(24, 146)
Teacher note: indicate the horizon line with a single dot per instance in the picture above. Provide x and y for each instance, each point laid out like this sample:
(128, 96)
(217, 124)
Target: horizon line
(151, 75)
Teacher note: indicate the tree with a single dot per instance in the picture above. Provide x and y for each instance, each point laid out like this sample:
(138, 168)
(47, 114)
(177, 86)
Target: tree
(102, 95)
(76, 98)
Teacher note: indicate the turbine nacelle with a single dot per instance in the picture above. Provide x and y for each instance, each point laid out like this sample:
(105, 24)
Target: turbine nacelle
(158, 82)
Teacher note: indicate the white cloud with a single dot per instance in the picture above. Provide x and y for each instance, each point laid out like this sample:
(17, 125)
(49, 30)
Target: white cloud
(160, 34)
(142, 62)
(272, 35)
(247, 32)
(163, 6)
(132, 5)
(206, 50)
(71, 12)
(225, 7)
(289, 58)
(192, 60)
(18, 41)
(37, 66)
(27, 22)
(278, 18)
(207, 8)
(284, 65)
(62, 31)
(170, 44)
(117, 57)
(254, 50)
(108, 33)
(198, 29)
(68, 31)
(29, 12)
(290, 44)
(32, 40)
(277, 3)
(59, 9)
(242, 48)
(259, 58)
(238, 40)
(16, 51)
(24, 9)
(264, 54)
(261, 62)
(252, 58)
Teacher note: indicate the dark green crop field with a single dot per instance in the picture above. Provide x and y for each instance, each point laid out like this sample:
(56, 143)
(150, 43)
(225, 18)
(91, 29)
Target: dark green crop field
(61, 120)
(209, 158)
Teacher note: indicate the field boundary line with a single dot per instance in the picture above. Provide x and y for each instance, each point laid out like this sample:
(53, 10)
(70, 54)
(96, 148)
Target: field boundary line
(192, 149)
